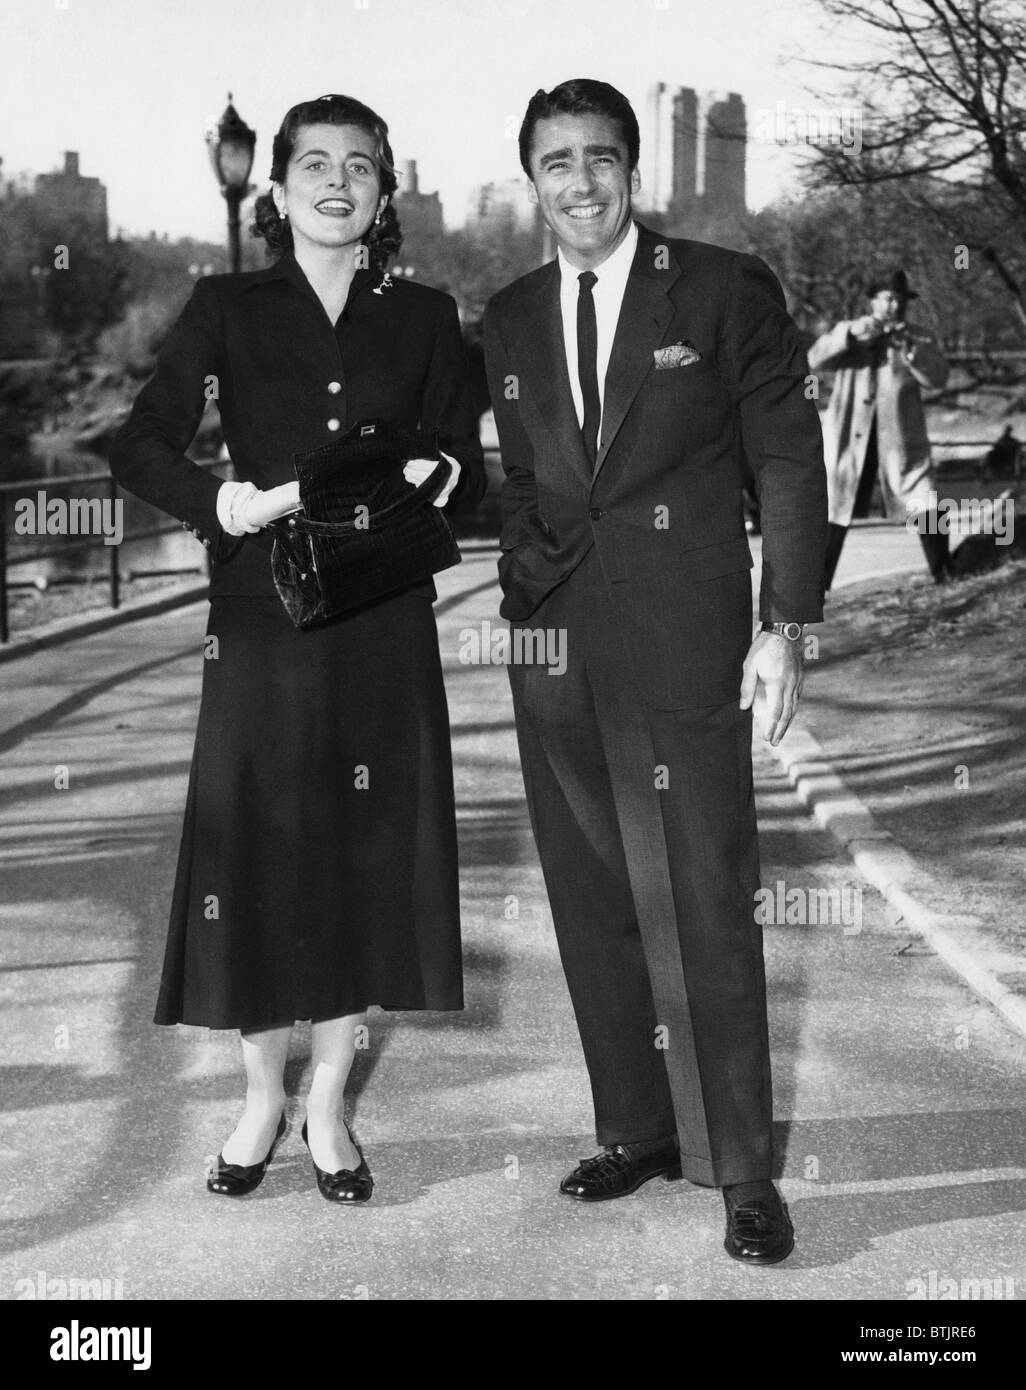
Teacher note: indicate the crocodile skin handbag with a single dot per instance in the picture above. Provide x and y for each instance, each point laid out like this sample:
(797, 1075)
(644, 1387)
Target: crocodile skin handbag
(364, 532)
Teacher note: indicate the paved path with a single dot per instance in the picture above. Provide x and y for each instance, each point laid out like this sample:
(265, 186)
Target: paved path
(898, 1095)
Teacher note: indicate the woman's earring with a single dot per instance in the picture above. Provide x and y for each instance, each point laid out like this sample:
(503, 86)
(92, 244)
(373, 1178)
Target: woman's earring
(282, 215)
(377, 220)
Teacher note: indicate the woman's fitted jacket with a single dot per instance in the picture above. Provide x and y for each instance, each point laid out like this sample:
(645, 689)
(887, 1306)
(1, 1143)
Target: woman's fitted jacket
(287, 381)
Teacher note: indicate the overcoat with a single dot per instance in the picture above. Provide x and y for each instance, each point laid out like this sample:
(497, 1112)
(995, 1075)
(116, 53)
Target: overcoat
(876, 385)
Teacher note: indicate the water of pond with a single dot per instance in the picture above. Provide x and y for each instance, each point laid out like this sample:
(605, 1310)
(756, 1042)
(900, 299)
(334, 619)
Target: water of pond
(175, 551)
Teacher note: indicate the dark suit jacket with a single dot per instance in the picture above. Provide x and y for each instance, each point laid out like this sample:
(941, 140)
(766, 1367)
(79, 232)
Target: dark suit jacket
(663, 507)
(282, 371)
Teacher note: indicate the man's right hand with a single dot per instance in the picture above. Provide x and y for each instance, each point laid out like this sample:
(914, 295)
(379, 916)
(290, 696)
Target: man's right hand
(772, 679)
(866, 330)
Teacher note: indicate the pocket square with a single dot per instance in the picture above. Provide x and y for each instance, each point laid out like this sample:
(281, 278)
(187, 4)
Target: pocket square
(676, 355)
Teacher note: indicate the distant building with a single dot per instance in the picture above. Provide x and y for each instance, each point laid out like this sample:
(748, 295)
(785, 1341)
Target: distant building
(685, 196)
(21, 289)
(726, 132)
(67, 197)
(501, 207)
(37, 216)
(420, 214)
(656, 163)
(692, 162)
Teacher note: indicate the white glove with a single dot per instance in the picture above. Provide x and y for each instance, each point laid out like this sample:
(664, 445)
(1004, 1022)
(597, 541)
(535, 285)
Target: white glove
(262, 507)
(418, 470)
(242, 508)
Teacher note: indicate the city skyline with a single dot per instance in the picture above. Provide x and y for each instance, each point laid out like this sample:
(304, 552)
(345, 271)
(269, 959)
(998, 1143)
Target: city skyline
(696, 157)
(696, 160)
(164, 73)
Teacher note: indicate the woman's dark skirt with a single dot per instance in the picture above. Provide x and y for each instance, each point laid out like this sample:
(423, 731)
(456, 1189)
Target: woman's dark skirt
(318, 871)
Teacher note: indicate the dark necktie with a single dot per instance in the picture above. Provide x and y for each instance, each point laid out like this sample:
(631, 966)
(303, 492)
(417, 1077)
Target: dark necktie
(587, 363)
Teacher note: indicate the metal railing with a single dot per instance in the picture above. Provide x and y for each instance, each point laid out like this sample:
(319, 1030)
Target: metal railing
(114, 578)
(27, 486)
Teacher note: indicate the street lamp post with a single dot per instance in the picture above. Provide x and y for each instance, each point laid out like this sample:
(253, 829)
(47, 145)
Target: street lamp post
(231, 144)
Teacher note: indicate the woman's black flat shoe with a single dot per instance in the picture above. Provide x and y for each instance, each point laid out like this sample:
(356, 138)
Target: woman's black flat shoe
(348, 1184)
(234, 1180)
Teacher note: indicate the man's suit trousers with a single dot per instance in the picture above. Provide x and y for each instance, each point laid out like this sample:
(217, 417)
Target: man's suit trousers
(645, 826)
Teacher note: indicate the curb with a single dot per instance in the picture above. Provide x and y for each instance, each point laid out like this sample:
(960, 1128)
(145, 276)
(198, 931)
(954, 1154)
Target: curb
(65, 629)
(884, 864)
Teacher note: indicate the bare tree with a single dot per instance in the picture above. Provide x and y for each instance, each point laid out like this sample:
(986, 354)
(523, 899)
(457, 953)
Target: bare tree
(942, 93)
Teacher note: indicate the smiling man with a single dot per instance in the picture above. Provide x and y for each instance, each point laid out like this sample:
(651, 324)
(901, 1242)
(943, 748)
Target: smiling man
(631, 379)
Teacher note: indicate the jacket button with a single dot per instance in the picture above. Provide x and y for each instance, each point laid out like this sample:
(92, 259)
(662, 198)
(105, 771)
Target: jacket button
(334, 424)
(595, 513)
(334, 387)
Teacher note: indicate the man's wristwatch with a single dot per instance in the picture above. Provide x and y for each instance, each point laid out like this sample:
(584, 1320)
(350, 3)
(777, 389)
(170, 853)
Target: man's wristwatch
(792, 631)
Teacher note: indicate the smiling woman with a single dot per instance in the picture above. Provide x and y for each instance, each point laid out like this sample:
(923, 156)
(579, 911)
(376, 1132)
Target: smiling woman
(336, 150)
(317, 872)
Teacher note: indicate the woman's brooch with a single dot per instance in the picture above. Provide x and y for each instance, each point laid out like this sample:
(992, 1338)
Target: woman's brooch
(386, 284)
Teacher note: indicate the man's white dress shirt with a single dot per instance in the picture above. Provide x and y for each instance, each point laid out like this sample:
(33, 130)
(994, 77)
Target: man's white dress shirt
(607, 292)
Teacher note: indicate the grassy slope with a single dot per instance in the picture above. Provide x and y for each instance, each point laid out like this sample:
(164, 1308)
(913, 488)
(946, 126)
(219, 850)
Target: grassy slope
(915, 683)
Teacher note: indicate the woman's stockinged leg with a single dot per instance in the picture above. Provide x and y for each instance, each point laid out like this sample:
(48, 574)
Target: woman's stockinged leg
(264, 1053)
(333, 1049)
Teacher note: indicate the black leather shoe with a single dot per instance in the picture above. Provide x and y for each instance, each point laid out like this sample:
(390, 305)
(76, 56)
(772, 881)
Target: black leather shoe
(236, 1180)
(348, 1184)
(759, 1231)
(617, 1172)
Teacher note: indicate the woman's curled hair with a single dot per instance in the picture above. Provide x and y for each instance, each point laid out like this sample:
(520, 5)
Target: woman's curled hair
(383, 238)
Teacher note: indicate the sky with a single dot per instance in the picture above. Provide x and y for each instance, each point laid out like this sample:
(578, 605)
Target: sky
(132, 85)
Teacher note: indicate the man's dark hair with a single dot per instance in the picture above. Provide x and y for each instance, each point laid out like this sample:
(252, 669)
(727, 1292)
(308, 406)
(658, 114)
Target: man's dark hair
(581, 96)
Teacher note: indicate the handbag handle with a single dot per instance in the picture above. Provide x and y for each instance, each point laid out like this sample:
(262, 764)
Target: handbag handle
(426, 491)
